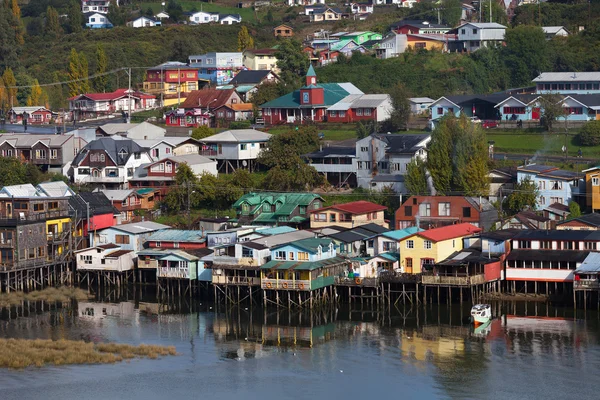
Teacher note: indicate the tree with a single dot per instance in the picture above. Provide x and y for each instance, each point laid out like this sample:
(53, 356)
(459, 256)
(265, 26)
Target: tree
(498, 13)
(186, 192)
(101, 81)
(10, 38)
(400, 107)
(439, 161)
(552, 108)
(74, 74)
(589, 135)
(245, 41)
(416, 178)
(266, 92)
(574, 210)
(116, 15)
(202, 132)
(269, 16)
(292, 62)
(75, 18)
(525, 53)
(35, 96)
(524, 196)
(451, 12)
(365, 128)
(84, 72)
(174, 10)
(10, 83)
(149, 12)
(52, 26)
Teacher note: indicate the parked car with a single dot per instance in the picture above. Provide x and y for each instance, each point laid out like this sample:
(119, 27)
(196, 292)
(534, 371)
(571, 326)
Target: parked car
(475, 120)
(489, 124)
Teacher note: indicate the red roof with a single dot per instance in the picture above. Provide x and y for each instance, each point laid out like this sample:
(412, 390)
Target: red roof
(113, 95)
(449, 232)
(355, 207)
(212, 98)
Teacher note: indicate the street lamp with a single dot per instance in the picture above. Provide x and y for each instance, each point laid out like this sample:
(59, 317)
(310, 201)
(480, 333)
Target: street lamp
(564, 149)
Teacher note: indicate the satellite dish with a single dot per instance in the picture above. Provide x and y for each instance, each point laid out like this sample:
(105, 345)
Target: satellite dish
(245, 163)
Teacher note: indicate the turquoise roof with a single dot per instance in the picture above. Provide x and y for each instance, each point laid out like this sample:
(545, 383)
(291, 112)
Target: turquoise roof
(332, 92)
(390, 256)
(176, 235)
(311, 71)
(402, 233)
(341, 44)
(303, 265)
(311, 244)
(275, 231)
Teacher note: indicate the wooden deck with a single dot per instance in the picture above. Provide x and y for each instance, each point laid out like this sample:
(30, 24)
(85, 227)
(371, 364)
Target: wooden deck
(358, 282)
(453, 280)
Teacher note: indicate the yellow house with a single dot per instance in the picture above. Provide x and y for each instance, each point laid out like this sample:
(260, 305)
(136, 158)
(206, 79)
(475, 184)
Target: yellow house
(325, 14)
(419, 42)
(348, 215)
(57, 231)
(592, 186)
(172, 94)
(431, 246)
(260, 59)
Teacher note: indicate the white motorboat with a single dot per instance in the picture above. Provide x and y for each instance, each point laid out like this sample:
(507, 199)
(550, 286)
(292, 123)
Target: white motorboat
(481, 313)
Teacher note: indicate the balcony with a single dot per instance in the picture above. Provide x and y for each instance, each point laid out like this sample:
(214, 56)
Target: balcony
(177, 273)
(284, 284)
(23, 216)
(361, 282)
(344, 168)
(453, 280)
(586, 284)
(147, 264)
(238, 262)
(235, 280)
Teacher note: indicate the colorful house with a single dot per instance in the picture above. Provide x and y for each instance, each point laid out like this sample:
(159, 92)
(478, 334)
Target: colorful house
(554, 185)
(171, 82)
(271, 208)
(217, 67)
(36, 115)
(260, 59)
(348, 215)
(422, 250)
(568, 83)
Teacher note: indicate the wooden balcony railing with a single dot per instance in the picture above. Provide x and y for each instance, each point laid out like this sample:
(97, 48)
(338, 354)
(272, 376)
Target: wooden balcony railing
(236, 280)
(586, 284)
(453, 280)
(180, 273)
(284, 284)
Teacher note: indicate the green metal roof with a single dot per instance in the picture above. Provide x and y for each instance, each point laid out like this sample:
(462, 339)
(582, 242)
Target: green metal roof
(332, 92)
(145, 191)
(289, 202)
(302, 265)
(390, 256)
(311, 244)
(298, 220)
(311, 71)
(266, 217)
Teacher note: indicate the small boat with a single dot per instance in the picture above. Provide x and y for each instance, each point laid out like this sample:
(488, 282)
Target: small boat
(483, 330)
(481, 313)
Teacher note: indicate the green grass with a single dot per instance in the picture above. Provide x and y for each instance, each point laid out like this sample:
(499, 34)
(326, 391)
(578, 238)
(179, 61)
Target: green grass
(530, 143)
(246, 13)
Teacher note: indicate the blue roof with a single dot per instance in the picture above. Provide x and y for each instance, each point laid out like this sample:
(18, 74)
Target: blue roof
(276, 230)
(176, 235)
(590, 264)
(390, 256)
(402, 233)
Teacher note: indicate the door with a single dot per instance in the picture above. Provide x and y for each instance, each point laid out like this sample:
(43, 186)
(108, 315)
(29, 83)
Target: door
(535, 113)
(9, 210)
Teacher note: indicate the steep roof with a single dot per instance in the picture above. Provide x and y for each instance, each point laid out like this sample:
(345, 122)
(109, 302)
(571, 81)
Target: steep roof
(124, 128)
(399, 143)
(354, 207)
(309, 244)
(27, 140)
(333, 92)
(246, 77)
(212, 98)
(238, 136)
(98, 203)
(21, 191)
(117, 195)
(112, 147)
(55, 189)
(449, 232)
(113, 95)
(28, 109)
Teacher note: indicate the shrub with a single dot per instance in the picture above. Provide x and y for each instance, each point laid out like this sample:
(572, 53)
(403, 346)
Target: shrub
(589, 134)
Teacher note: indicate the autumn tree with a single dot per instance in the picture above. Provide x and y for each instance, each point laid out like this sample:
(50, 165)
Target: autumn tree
(84, 72)
(78, 73)
(36, 94)
(101, 81)
(245, 41)
(10, 85)
(52, 26)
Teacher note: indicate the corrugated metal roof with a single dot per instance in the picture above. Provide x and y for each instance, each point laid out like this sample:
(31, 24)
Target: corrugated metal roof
(140, 227)
(590, 264)
(568, 77)
(117, 195)
(56, 189)
(176, 235)
(276, 230)
(421, 100)
(27, 140)
(22, 191)
(238, 136)
(401, 233)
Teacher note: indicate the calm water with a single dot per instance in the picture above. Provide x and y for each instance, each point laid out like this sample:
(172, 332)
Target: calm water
(227, 354)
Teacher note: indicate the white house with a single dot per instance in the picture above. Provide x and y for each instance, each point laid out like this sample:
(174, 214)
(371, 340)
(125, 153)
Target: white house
(95, 20)
(162, 15)
(420, 105)
(553, 31)
(169, 146)
(106, 257)
(392, 45)
(203, 17)
(94, 104)
(236, 148)
(472, 36)
(141, 131)
(361, 8)
(304, 2)
(230, 19)
(128, 236)
(99, 6)
(143, 22)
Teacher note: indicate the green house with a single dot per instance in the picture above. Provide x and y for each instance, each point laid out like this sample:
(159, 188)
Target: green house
(271, 208)
(361, 37)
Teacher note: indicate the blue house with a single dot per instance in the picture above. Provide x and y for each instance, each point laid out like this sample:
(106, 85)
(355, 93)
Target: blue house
(96, 20)
(554, 185)
(174, 264)
(128, 236)
(217, 68)
(304, 265)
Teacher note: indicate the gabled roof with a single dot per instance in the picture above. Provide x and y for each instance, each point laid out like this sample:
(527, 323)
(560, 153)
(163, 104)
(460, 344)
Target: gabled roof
(400, 143)
(20, 140)
(124, 128)
(112, 147)
(117, 94)
(55, 189)
(360, 101)
(354, 207)
(449, 232)
(420, 100)
(247, 76)
(212, 98)
(592, 219)
(189, 159)
(422, 24)
(310, 244)
(96, 202)
(28, 109)
(553, 29)
(238, 136)
(333, 152)
(333, 92)
(118, 195)
(25, 191)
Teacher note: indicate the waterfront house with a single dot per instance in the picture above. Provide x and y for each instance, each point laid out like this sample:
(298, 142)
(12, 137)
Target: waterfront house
(235, 148)
(372, 266)
(92, 211)
(95, 20)
(108, 163)
(554, 185)
(586, 222)
(94, 105)
(587, 274)
(129, 202)
(435, 211)
(52, 153)
(107, 257)
(386, 242)
(176, 239)
(465, 268)
(128, 236)
(178, 264)
(171, 82)
(272, 208)
(423, 249)
(141, 131)
(34, 115)
(218, 68)
(381, 160)
(356, 242)
(303, 265)
(349, 215)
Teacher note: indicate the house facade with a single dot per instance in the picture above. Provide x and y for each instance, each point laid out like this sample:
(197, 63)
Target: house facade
(348, 215)
(271, 208)
(260, 59)
(35, 115)
(144, 22)
(217, 67)
(107, 257)
(361, 107)
(171, 82)
(98, 6)
(128, 236)
(203, 17)
(472, 36)
(592, 188)
(235, 148)
(170, 146)
(437, 211)
(554, 185)
(283, 31)
(121, 100)
(324, 14)
(129, 201)
(96, 20)
(568, 83)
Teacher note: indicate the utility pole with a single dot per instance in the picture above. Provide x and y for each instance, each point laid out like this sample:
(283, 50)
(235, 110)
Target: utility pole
(178, 87)
(129, 97)
(490, 11)
(187, 184)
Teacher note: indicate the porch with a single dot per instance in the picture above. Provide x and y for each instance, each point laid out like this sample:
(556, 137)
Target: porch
(176, 269)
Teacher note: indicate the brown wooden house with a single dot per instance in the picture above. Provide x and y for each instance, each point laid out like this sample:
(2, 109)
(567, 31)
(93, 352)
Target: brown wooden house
(283, 30)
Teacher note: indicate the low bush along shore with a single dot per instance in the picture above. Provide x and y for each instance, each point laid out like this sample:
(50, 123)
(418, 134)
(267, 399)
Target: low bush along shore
(23, 353)
(52, 295)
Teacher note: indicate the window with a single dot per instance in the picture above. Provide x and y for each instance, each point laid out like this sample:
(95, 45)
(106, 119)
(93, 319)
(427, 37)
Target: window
(302, 210)
(333, 113)
(463, 31)
(420, 45)
(408, 211)
(440, 110)
(40, 154)
(359, 165)
(121, 239)
(359, 112)
(176, 245)
(556, 200)
(321, 217)
(332, 217)
(54, 154)
(595, 181)
(555, 185)
(364, 149)
(427, 244)
(474, 31)
(409, 263)
(302, 256)
(425, 210)
(410, 244)
(513, 110)
(444, 209)
(280, 255)
(367, 111)
(38, 207)
(466, 212)
(342, 114)
(86, 259)
(542, 200)
(53, 205)
(291, 256)
(243, 146)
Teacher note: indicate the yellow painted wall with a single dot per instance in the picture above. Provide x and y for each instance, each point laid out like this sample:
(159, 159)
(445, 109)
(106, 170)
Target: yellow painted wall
(58, 222)
(429, 44)
(357, 220)
(438, 252)
(593, 198)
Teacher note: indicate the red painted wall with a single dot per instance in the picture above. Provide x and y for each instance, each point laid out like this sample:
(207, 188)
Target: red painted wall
(182, 246)
(99, 222)
(352, 117)
(492, 271)
(154, 75)
(407, 29)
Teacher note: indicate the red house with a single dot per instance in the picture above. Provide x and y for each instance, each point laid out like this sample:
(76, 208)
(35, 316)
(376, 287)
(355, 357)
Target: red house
(172, 81)
(190, 118)
(35, 115)
(176, 239)
(93, 211)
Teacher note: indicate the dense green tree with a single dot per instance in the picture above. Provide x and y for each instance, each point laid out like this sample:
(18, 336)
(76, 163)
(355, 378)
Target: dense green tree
(174, 10)
(574, 210)
(14, 172)
(25, 82)
(117, 15)
(185, 192)
(202, 132)
(523, 197)
(498, 12)
(10, 40)
(182, 47)
(451, 12)
(35, 27)
(400, 107)
(416, 178)
(75, 24)
(365, 128)
(525, 53)
(552, 108)
(52, 26)
(149, 12)
(292, 62)
(245, 41)
(266, 92)
(589, 135)
(439, 156)
(101, 81)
